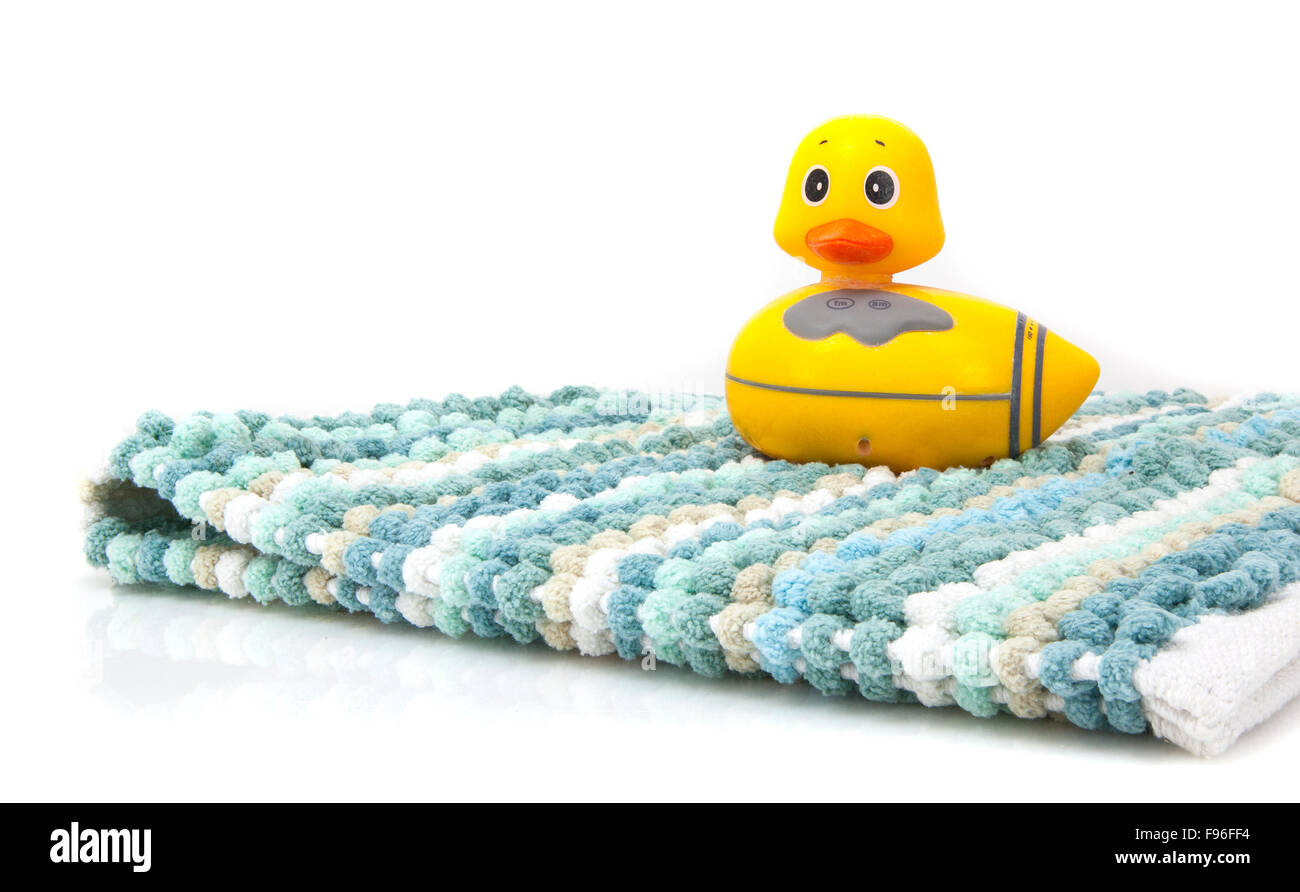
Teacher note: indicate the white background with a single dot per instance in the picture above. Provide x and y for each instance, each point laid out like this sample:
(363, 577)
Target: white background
(318, 206)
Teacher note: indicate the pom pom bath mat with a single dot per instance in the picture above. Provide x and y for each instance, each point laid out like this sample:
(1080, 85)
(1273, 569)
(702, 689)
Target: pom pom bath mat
(1138, 571)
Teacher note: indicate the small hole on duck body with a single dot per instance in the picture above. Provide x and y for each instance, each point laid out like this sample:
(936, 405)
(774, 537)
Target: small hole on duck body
(988, 461)
(864, 447)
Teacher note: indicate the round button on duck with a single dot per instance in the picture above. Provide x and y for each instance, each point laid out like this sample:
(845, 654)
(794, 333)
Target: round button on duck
(859, 368)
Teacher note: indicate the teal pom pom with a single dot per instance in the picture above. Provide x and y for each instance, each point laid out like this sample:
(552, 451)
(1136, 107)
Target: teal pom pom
(155, 425)
(867, 651)
(193, 437)
(978, 701)
(288, 586)
(1148, 625)
(1115, 671)
(99, 535)
(121, 551)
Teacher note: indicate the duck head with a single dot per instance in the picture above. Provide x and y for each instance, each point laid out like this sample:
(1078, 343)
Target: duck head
(860, 203)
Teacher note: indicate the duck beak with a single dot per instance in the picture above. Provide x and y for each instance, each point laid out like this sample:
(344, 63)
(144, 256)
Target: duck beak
(848, 241)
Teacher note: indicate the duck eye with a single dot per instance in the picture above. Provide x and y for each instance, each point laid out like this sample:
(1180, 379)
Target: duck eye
(881, 187)
(816, 185)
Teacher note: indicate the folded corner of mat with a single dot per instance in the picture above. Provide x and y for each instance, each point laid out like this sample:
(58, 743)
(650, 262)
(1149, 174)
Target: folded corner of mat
(1218, 678)
(1139, 571)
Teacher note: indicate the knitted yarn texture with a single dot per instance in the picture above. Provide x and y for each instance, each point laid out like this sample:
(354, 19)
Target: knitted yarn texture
(1139, 571)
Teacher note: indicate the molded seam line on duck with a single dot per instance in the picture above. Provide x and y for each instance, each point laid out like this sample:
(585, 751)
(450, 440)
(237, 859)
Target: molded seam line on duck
(1038, 383)
(875, 395)
(1017, 366)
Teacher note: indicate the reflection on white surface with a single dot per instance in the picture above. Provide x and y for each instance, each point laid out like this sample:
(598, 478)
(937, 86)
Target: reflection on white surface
(156, 648)
(195, 696)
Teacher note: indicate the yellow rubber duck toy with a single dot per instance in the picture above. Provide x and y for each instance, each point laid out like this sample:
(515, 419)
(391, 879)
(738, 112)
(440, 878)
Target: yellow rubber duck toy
(859, 368)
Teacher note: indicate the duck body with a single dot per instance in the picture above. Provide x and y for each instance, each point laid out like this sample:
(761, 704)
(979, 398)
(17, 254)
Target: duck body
(863, 374)
(859, 368)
